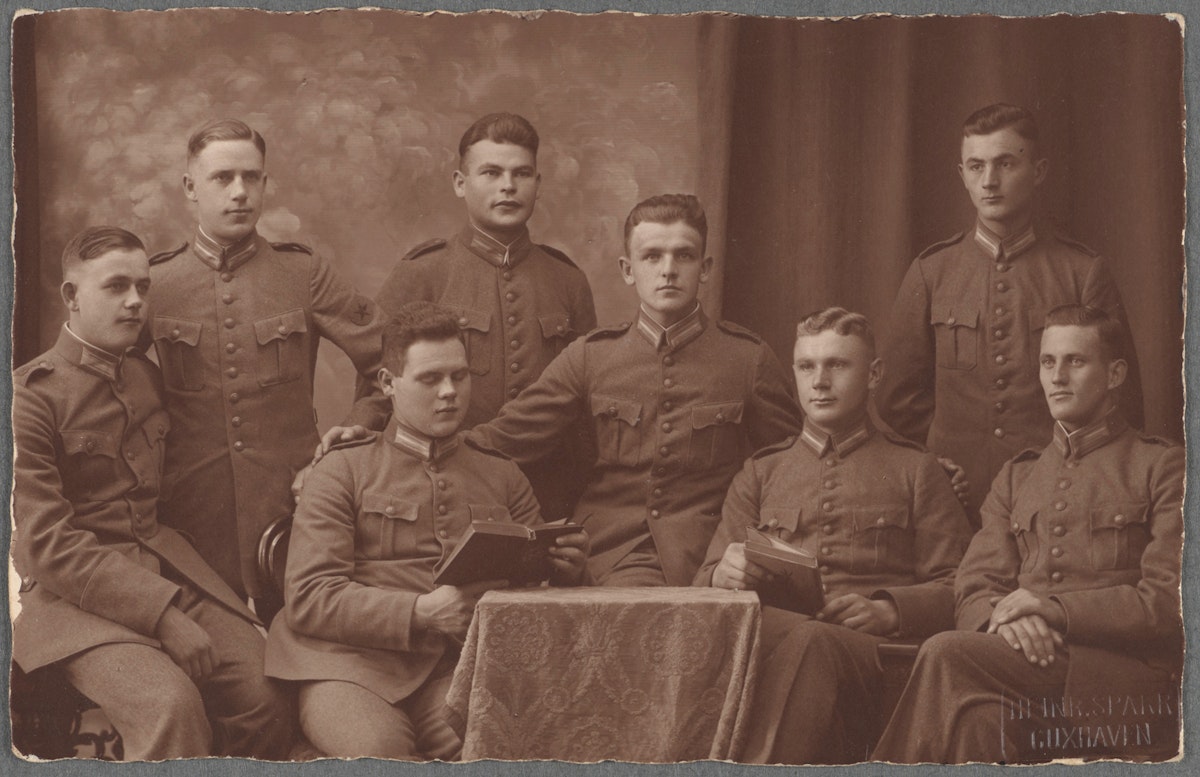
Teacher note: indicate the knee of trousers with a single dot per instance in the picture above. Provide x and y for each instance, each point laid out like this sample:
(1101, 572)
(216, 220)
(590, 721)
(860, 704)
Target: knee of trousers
(950, 650)
(175, 706)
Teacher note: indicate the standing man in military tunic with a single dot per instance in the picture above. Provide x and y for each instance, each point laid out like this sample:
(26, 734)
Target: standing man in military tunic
(967, 321)
(676, 402)
(518, 303)
(236, 324)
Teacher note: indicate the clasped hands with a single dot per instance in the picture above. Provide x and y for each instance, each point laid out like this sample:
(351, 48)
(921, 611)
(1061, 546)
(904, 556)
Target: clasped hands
(1030, 623)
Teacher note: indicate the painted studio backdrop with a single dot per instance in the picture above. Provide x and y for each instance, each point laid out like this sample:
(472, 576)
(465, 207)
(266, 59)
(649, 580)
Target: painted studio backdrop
(824, 150)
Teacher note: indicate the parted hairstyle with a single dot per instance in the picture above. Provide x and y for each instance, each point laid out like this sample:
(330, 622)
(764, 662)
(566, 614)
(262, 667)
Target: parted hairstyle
(224, 129)
(668, 209)
(500, 128)
(840, 321)
(94, 242)
(1112, 335)
(416, 322)
(998, 116)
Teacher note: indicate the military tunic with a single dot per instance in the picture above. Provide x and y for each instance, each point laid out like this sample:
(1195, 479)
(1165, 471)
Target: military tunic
(965, 336)
(236, 331)
(881, 517)
(674, 415)
(1094, 522)
(374, 519)
(100, 570)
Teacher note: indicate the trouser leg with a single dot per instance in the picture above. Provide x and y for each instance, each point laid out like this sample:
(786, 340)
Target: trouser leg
(345, 720)
(150, 701)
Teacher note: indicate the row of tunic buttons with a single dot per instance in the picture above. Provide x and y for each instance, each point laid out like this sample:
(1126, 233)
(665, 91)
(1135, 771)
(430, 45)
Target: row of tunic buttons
(663, 450)
(999, 358)
(232, 371)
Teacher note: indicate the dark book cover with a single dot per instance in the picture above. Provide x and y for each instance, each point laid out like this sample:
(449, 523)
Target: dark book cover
(797, 582)
(502, 551)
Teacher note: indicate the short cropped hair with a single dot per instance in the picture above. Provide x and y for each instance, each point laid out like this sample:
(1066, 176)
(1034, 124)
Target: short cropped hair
(840, 321)
(1112, 334)
(668, 209)
(94, 242)
(500, 128)
(416, 322)
(998, 116)
(224, 129)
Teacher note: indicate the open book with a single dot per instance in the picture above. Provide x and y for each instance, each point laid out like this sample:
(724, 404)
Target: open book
(502, 551)
(797, 582)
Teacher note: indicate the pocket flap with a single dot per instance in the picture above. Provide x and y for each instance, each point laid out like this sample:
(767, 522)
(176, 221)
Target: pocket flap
(489, 513)
(787, 518)
(881, 517)
(1022, 519)
(955, 313)
(387, 505)
(175, 330)
(280, 327)
(556, 325)
(156, 427)
(622, 409)
(478, 320)
(88, 441)
(1118, 515)
(717, 413)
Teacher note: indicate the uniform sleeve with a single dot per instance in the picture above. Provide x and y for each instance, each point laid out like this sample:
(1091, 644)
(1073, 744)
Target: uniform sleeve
(941, 533)
(1149, 609)
(740, 509)
(353, 323)
(323, 599)
(1100, 291)
(62, 555)
(992, 561)
(583, 307)
(522, 504)
(529, 426)
(773, 413)
(906, 394)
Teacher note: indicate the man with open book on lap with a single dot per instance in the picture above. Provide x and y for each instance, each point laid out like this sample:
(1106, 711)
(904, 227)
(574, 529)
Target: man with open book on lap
(366, 631)
(881, 519)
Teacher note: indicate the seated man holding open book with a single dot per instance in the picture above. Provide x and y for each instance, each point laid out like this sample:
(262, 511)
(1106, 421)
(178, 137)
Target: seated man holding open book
(855, 533)
(366, 630)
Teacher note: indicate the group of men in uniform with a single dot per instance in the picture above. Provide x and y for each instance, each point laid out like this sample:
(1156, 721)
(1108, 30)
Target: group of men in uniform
(141, 491)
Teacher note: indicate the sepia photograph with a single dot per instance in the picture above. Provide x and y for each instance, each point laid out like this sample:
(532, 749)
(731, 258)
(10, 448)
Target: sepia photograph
(652, 388)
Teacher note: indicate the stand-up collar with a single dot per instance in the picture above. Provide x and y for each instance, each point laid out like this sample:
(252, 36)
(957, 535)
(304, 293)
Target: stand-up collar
(1084, 440)
(95, 360)
(220, 257)
(843, 444)
(492, 250)
(675, 336)
(1010, 247)
(418, 445)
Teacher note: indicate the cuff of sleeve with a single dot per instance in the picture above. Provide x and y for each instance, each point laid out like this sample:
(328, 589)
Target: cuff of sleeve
(128, 594)
(922, 610)
(974, 614)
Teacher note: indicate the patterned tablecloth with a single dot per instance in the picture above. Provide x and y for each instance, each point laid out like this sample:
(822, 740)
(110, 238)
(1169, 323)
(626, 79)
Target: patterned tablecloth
(587, 674)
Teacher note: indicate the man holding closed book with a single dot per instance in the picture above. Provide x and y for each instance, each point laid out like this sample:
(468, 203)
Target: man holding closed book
(881, 518)
(371, 639)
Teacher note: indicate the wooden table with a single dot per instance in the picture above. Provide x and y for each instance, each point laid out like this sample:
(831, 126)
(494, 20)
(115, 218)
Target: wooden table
(587, 674)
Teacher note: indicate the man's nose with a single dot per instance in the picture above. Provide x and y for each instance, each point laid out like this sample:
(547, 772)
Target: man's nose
(670, 267)
(508, 182)
(237, 189)
(447, 389)
(135, 299)
(1058, 374)
(820, 378)
(991, 177)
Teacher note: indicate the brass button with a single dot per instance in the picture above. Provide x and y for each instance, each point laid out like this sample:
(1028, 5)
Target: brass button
(226, 277)
(824, 569)
(514, 343)
(506, 275)
(720, 418)
(443, 533)
(771, 524)
(389, 510)
(612, 410)
(660, 471)
(668, 405)
(227, 298)
(1001, 407)
(1001, 358)
(175, 332)
(234, 398)
(1119, 519)
(1056, 551)
(666, 426)
(827, 506)
(510, 296)
(827, 528)
(1000, 311)
(90, 445)
(880, 521)
(442, 509)
(281, 329)
(462, 321)
(669, 361)
(1064, 484)
(664, 450)
(658, 492)
(668, 382)
(511, 319)
(826, 550)
(1001, 383)
(1001, 267)
(828, 483)
(229, 323)
(998, 334)
(1001, 286)
(515, 367)
(1057, 577)
(1016, 526)
(1060, 505)
(239, 446)
(230, 347)
(512, 392)
(232, 372)
(998, 432)
(560, 328)
(829, 462)
(1059, 530)
(655, 514)
(952, 321)
(236, 420)
(441, 484)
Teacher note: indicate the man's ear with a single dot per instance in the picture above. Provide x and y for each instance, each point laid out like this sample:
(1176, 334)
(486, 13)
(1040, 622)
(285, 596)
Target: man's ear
(1117, 370)
(189, 187)
(385, 381)
(626, 270)
(1040, 168)
(876, 374)
(459, 182)
(706, 268)
(69, 295)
